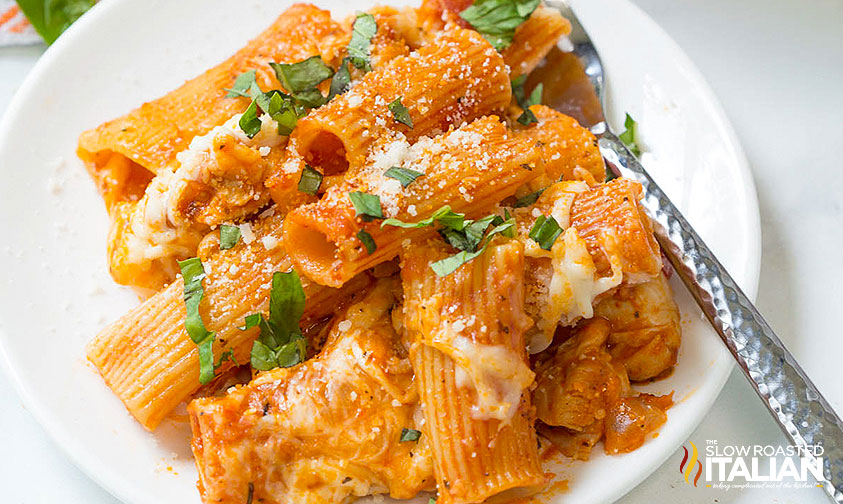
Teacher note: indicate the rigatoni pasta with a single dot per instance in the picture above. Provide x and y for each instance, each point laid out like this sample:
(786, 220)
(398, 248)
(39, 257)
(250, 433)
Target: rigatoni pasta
(454, 78)
(376, 265)
(146, 357)
(470, 168)
(468, 353)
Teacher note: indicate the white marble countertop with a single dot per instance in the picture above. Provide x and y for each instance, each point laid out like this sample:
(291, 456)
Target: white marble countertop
(776, 66)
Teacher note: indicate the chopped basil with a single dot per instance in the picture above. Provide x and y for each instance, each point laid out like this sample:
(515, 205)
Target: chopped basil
(193, 273)
(228, 355)
(251, 321)
(400, 112)
(528, 117)
(403, 175)
(431, 501)
(341, 81)
(302, 76)
(249, 122)
(367, 240)
(528, 199)
(409, 435)
(518, 89)
(630, 136)
(280, 108)
(545, 231)
(51, 18)
(443, 216)
(497, 20)
(366, 205)
(301, 79)
(280, 343)
(242, 85)
(310, 180)
(229, 236)
(448, 265)
(362, 32)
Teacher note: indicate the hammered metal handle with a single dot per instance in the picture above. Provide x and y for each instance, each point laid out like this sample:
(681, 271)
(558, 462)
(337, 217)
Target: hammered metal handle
(802, 412)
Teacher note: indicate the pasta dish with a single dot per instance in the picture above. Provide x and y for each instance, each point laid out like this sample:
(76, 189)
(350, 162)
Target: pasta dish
(371, 261)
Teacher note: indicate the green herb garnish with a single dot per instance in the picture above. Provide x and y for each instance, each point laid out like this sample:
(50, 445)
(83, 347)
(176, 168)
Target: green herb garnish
(229, 236)
(310, 180)
(409, 435)
(527, 117)
(497, 20)
(545, 231)
(443, 216)
(448, 265)
(51, 18)
(630, 136)
(280, 343)
(341, 81)
(400, 112)
(403, 175)
(367, 206)
(302, 76)
(242, 85)
(528, 199)
(362, 32)
(193, 273)
(367, 240)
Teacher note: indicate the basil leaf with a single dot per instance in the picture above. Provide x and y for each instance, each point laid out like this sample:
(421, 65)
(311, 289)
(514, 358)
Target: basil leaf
(227, 355)
(249, 122)
(448, 265)
(366, 205)
(443, 216)
(280, 342)
(310, 98)
(193, 273)
(51, 18)
(527, 117)
(302, 76)
(341, 81)
(400, 112)
(362, 32)
(310, 180)
(229, 236)
(367, 240)
(518, 89)
(242, 85)
(497, 20)
(251, 321)
(545, 231)
(630, 136)
(528, 199)
(403, 175)
(475, 230)
(409, 435)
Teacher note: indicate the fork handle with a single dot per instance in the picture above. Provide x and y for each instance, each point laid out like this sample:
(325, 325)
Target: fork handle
(800, 410)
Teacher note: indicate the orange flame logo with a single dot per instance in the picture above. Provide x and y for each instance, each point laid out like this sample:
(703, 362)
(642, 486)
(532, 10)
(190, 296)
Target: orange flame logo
(686, 467)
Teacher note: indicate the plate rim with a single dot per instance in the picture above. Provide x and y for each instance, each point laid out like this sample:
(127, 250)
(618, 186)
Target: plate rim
(94, 469)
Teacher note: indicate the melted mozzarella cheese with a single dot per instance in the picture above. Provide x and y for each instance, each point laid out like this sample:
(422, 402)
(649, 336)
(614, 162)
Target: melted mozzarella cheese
(498, 375)
(158, 228)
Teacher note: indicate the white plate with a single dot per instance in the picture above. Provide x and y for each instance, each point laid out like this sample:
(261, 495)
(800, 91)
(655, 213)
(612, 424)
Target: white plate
(55, 292)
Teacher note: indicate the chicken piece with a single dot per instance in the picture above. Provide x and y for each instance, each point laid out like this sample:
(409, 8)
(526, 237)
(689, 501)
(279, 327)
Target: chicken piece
(646, 333)
(631, 419)
(577, 386)
(582, 395)
(326, 430)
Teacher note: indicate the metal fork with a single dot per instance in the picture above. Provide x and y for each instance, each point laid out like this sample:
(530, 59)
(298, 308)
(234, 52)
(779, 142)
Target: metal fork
(797, 406)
